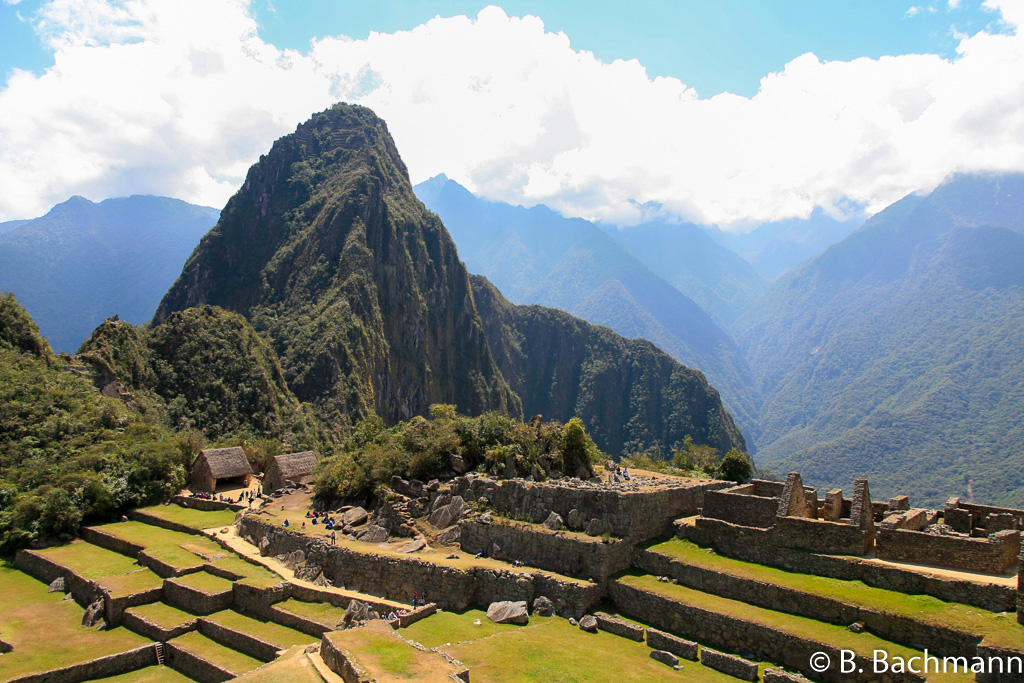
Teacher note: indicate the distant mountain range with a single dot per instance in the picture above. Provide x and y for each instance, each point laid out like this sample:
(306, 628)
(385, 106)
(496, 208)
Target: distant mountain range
(898, 354)
(83, 262)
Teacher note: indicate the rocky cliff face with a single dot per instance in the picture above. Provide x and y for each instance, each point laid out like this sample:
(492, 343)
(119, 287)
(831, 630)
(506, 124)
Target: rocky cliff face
(359, 288)
(327, 251)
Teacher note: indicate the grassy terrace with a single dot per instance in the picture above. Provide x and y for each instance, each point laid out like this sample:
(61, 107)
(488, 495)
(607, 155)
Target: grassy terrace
(205, 582)
(119, 574)
(387, 657)
(269, 632)
(195, 519)
(837, 636)
(320, 612)
(998, 630)
(251, 574)
(162, 614)
(176, 548)
(33, 621)
(551, 649)
(215, 653)
(438, 556)
(293, 666)
(152, 674)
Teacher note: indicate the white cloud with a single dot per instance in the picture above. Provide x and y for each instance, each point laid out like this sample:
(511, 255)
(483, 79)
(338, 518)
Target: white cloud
(145, 98)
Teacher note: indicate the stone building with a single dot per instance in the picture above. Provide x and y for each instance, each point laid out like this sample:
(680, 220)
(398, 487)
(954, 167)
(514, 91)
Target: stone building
(220, 467)
(296, 468)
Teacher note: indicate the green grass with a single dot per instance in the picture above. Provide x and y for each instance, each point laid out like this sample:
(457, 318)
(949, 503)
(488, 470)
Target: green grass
(291, 667)
(269, 632)
(33, 621)
(119, 574)
(162, 614)
(837, 636)
(215, 653)
(551, 649)
(251, 574)
(320, 612)
(175, 548)
(205, 582)
(194, 519)
(1000, 631)
(152, 674)
(451, 627)
(387, 657)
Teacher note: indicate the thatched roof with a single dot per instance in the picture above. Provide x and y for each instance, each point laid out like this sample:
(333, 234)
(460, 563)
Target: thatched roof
(295, 465)
(226, 462)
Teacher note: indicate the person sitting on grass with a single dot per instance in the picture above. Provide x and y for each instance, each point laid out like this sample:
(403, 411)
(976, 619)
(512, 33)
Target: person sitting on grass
(285, 523)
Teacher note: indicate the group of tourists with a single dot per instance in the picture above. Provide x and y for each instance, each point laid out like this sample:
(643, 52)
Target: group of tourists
(394, 616)
(419, 599)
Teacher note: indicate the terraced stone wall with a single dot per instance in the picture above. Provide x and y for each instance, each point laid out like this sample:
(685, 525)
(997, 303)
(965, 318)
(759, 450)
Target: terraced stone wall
(400, 578)
(748, 505)
(943, 641)
(755, 545)
(992, 555)
(637, 514)
(731, 633)
(537, 546)
(821, 536)
(101, 667)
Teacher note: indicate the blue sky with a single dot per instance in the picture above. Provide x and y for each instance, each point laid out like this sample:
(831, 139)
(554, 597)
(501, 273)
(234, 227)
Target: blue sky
(591, 108)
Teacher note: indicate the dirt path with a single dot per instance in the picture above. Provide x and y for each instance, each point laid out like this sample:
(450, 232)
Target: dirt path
(1005, 580)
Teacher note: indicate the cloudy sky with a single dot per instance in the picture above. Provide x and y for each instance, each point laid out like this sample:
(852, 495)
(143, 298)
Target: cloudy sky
(720, 111)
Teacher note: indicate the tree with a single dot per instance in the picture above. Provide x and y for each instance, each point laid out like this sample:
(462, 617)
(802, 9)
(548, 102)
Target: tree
(735, 466)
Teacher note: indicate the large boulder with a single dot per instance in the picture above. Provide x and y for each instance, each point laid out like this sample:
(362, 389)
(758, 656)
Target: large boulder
(665, 657)
(354, 517)
(358, 613)
(508, 612)
(264, 546)
(450, 536)
(543, 607)
(373, 534)
(589, 623)
(596, 527)
(57, 585)
(577, 520)
(444, 516)
(93, 613)
(554, 521)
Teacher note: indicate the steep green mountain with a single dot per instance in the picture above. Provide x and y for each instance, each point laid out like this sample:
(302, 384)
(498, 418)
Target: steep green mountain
(776, 247)
(203, 368)
(68, 453)
(691, 261)
(359, 289)
(629, 393)
(536, 256)
(897, 354)
(84, 262)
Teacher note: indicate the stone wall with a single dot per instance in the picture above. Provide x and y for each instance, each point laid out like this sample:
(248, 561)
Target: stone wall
(892, 627)
(183, 661)
(779, 676)
(729, 664)
(195, 601)
(238, 640)
(399, 579)
(134, 622)
(754, 545)
(992, 555)
(340, 661)
(620, 627)
(206, 505)
(102, 667)
(740, 505)
(146, 518)
(627, 512)
(1002, 666)
(821, 536)
(723, 631)
(1020, 588)
(563, 552)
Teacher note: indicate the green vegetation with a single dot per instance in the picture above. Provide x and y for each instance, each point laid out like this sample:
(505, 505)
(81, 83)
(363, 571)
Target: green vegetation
(172, 547)
(251, 574)
(204, 582)
(542, 652)
(163, 614)
(152, 674)
(999, 631)
(443, 628)
(695, 460)
(838, 636)
(269, 632)
(320, 612)
(190, 517)
(895, 355)
(216, 653)
(33, 620)
(424, 449)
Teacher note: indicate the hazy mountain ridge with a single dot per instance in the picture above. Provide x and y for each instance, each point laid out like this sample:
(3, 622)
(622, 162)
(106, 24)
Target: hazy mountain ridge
(83, 262)
(897, 353)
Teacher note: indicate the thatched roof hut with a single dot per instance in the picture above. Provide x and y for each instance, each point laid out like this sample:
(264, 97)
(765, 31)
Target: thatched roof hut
(293, 467)
(220, 467)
